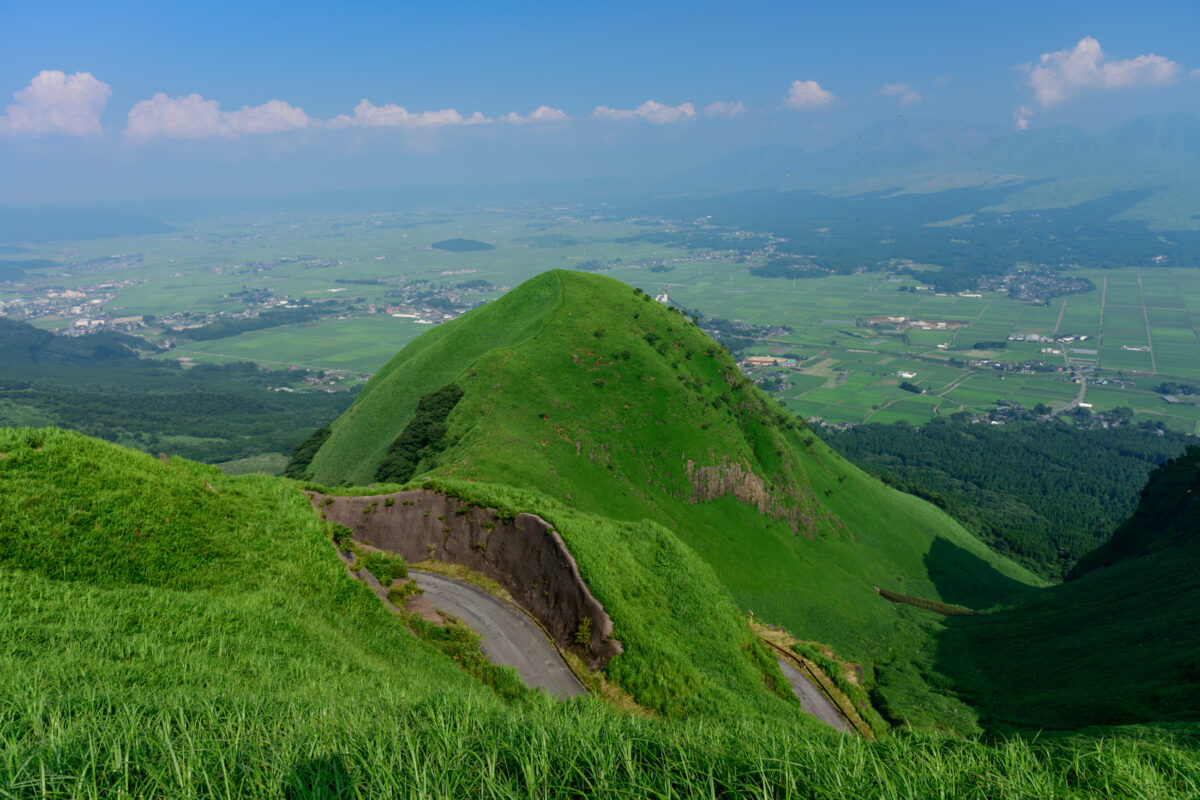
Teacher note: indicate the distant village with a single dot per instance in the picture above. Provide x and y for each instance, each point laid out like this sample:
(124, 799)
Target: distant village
(81, 310)
(83, 307)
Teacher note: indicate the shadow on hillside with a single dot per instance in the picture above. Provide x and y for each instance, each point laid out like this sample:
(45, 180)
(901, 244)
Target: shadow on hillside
(965, 579)
(319, 779)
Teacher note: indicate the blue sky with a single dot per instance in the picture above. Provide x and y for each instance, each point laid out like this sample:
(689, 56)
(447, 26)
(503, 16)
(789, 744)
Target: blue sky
(151, 99)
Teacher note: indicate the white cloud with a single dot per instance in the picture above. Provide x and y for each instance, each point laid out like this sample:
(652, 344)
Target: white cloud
(193, 117)
(366, 114)
(723, 109)
(1064, 73)
(807, 95)
(539, 114)
(55, 102)
(652, 112)
(274, 116)
(1021, 117)
(907, 95)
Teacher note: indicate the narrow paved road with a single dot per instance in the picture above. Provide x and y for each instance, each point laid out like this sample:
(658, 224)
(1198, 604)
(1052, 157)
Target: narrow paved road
(812, 699)
(508, 636)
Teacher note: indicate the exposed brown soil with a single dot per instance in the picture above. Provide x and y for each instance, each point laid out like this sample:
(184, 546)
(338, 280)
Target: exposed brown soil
(526, 556)
(795, 504)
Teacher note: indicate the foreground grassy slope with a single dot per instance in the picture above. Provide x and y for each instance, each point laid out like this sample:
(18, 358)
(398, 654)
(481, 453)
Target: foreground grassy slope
(244, 565)
(1120, 645)
(118, 570)
(620, 407)
(161, 638)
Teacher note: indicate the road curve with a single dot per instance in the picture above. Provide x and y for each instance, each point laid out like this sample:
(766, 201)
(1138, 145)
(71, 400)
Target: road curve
(507, 635)
(812, 699)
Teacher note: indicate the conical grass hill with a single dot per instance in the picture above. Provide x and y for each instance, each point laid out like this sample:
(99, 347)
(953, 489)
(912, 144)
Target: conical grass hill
(601, 401)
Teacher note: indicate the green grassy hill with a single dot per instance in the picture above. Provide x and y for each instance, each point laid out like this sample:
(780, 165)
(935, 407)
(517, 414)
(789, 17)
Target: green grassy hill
(614, 405)
(243, 565)
(1119, 645)
(167, 631)
(123, 575)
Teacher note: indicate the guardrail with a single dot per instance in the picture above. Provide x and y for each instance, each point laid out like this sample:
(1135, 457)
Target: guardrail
(856, 723)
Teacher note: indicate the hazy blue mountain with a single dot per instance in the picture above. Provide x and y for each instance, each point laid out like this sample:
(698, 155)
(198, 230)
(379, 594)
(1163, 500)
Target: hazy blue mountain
(1165, 133)
(1157, 156)
(900, 143)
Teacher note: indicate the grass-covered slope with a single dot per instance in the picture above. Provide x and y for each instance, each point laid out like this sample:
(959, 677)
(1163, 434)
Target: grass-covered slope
(688, 651)
(127, 577)
(1119, 645)
(241, 588)
(166, 631)
(614, 405)
(362, 435)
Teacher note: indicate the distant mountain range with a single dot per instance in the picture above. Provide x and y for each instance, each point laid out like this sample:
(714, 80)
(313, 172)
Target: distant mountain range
(1157, 156)
(1044, 168)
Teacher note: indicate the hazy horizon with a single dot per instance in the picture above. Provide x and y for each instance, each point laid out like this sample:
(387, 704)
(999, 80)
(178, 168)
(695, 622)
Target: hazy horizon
(134, 101)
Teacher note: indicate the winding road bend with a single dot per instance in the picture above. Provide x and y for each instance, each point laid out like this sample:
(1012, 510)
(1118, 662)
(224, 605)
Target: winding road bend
(812, 699)
(507, 635)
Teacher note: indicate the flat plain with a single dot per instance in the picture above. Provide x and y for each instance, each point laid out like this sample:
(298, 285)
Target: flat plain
(1141, 323)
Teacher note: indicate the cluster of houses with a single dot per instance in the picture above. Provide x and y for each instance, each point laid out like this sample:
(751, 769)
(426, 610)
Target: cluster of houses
(767, 361)
(83, 308)
(1037, 338)
(903, 323)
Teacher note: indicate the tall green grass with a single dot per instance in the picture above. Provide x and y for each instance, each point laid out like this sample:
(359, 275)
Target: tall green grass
(243, 662)
(210, 748)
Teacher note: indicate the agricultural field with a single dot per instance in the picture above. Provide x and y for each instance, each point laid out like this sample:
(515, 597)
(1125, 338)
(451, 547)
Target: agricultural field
(1140, 323)
(1141, 326)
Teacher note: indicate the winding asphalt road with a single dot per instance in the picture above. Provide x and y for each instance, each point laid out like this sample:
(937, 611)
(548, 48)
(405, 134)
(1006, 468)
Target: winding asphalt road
(812, 700)
(508, 636)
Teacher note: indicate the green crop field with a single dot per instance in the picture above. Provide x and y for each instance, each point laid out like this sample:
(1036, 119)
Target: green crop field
(1141, 322)
(358, 344)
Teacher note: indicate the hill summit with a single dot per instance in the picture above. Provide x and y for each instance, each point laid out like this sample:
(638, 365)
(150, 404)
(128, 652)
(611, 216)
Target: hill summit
(586, 391)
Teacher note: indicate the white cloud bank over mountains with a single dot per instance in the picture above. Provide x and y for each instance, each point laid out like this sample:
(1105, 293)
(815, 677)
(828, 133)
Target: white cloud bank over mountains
(539, 114)
(1063, 74)
(55, 102)
(193, 117)
(1059, 75)
(367, 114)
(651, 111)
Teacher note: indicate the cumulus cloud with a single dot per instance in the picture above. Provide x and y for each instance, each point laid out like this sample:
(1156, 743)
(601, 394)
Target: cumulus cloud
(55, 102)
(905, 93)
(193, 117)
(539, 114)
(723, 109)
(1021, 117)
(652, 112)
(1059, 75)
(366, 114)
(807, 95)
